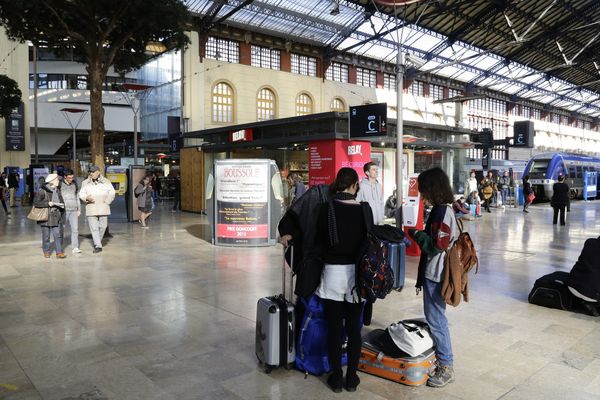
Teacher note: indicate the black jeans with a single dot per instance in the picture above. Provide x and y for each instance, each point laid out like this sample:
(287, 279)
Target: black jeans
(336, 312)
(176, 201)
(486, 204)
(3, 200)
(559, 209)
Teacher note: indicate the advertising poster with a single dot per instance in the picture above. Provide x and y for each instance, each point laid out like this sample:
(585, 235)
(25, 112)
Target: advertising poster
(15, 130)
(328, 156)
(242, 202)
(39, 177)
(321, 162)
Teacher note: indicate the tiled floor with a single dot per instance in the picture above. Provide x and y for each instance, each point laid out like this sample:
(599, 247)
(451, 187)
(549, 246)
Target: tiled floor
(163, 314)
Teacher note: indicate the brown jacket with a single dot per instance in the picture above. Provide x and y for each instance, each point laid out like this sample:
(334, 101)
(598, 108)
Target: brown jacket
(460, 259)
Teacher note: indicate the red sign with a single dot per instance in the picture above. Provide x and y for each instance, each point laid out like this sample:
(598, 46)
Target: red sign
(242, 231)
(243, 135)
(326, 157)
(413, 186)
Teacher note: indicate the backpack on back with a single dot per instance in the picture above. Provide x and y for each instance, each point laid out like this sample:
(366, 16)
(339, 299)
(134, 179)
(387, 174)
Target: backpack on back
(461, 257)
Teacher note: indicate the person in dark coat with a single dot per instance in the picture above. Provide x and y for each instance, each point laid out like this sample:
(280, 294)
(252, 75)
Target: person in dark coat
(143, 192)
(560, 199)
(49, 196)
(176, 193)
(584, 278)
(527, 190)
(341, 233)
(299, 224)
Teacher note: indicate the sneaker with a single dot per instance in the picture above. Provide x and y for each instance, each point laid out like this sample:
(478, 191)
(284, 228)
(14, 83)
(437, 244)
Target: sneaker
(46, 255)
(61, 255)
(443, 375)
(76, 251)
(97, 250)
(145, 227)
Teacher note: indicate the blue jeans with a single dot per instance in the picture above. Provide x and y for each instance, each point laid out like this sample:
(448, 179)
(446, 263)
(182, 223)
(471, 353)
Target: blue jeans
(73, 219)
(57, 232)
(434, 307)
(504, 195)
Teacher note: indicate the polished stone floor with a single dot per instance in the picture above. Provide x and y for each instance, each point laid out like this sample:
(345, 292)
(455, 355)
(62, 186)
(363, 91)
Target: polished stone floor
(163, 314)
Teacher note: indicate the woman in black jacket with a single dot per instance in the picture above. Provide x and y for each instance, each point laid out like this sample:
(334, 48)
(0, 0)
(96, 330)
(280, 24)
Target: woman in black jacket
(341, 232)
(560, 199)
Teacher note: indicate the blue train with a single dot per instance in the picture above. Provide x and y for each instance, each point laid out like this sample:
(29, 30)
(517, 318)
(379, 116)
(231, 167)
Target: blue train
(544, 169)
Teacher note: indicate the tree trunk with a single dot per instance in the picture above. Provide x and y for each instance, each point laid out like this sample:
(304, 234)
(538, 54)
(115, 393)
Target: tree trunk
(96, 78)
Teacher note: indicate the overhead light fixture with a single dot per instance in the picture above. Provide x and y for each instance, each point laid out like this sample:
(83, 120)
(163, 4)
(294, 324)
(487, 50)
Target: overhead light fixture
(335, 10)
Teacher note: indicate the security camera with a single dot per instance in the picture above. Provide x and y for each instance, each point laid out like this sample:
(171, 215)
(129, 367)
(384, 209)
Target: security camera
(416, 61)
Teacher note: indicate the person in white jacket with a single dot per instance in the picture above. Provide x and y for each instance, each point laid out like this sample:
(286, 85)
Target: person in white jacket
(471, 185)
(97, 193)
(371, 191)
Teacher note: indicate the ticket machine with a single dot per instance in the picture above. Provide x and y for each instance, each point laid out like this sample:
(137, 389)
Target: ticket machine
(117, 175)
(412, 213)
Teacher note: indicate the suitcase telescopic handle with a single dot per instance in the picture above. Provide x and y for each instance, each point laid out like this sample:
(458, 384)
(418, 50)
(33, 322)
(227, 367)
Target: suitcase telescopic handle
(284, 270)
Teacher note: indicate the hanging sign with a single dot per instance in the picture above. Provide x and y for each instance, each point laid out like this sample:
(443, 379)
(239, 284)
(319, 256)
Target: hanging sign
(368, 121)
(15, 130)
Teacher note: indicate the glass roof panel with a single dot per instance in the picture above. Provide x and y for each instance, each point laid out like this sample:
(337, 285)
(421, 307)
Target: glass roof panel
(311, 21)
(510, 88)
(483, 61)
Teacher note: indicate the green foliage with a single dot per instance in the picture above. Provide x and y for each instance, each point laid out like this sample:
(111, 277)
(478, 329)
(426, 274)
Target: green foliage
(100, 33)
(10, 96)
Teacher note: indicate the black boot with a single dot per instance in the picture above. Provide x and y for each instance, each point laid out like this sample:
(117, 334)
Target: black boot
(335, 381)
(352, 382)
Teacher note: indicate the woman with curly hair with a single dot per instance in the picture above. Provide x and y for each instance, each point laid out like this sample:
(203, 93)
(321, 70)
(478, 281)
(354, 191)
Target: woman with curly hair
(440, 233)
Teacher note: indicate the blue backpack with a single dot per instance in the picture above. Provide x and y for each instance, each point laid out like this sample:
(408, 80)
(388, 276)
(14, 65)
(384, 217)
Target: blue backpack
(311, 347)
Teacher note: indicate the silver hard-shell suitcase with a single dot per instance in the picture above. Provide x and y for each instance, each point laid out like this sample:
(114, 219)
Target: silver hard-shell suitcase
(275, 324)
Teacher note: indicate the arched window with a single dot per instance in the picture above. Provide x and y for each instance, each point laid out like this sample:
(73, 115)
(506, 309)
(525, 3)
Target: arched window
(265, 105)
(222, 103)
(337, 104)
(304, 104)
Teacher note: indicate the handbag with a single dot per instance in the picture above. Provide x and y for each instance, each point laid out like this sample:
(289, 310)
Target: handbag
(531, 197)
(411, 336)
(38, 214)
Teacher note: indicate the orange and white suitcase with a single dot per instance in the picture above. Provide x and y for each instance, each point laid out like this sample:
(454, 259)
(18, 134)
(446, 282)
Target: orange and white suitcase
(412, 371)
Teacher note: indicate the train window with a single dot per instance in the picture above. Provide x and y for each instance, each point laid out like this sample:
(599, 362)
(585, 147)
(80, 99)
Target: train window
(539, 166)
(572, 173)
(579, 171)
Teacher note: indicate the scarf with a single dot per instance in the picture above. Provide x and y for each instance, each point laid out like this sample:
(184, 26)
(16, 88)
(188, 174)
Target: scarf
(331, 219)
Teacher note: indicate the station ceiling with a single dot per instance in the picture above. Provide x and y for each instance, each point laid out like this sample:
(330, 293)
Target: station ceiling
(547, 51)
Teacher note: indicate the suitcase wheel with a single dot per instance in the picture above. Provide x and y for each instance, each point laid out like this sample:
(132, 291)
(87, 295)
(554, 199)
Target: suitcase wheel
(268, 369)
